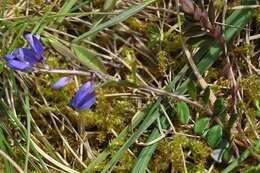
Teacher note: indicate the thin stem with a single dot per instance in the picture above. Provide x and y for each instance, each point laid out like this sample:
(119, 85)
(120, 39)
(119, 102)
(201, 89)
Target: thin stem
(60, 71)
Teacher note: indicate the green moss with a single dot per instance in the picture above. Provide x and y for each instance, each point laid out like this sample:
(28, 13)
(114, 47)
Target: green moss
(251, 86)
(172, 42)
(169, 156)
(163, 62)
(136, 24)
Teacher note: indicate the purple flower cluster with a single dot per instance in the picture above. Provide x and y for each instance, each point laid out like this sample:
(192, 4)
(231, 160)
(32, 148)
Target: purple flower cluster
(24, 59)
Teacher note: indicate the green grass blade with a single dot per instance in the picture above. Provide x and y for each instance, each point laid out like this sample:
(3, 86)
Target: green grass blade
(66, 8)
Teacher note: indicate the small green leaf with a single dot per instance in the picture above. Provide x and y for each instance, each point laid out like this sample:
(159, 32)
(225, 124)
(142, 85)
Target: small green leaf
(220, 109)
(206, 94)
(214, 136)
(219, 106)
(201, 125)
(226, 155)
(183, 112)
(88, 58)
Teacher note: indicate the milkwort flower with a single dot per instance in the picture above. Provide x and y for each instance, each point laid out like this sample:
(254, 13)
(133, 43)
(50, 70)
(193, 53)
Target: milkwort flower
(61, 82)
(85, 97)
(36, 46)
(24, 59)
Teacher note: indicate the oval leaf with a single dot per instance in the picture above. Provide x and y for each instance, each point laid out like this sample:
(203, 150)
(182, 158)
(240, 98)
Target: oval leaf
(227, 155)
(88, 58)
(220, 109)
(219, 106)
(201, 125)
(214, 136)
(183, 112)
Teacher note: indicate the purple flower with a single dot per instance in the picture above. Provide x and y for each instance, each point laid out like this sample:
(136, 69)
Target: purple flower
(24, 59)
(21, 59)
(61, 82)
(85, 97)
(36, 46)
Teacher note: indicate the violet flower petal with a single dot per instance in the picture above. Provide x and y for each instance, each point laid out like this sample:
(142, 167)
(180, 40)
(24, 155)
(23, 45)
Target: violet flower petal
(25, 54)
(9, 57)
(85, 97)
(83, 91)
(61, 82)
(87, 102)
(19, 65)
(35, 44)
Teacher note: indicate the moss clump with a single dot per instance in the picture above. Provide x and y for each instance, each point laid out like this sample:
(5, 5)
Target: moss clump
(251, 86)
(163, 62)
(136, 24)
(169, 155)
(172, 42)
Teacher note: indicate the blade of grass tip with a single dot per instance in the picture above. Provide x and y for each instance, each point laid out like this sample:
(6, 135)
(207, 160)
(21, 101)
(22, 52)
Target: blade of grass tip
(150, 118)
(243, 157)
(115, 20)
(135, 122)
(65, 9)
(214, 52)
